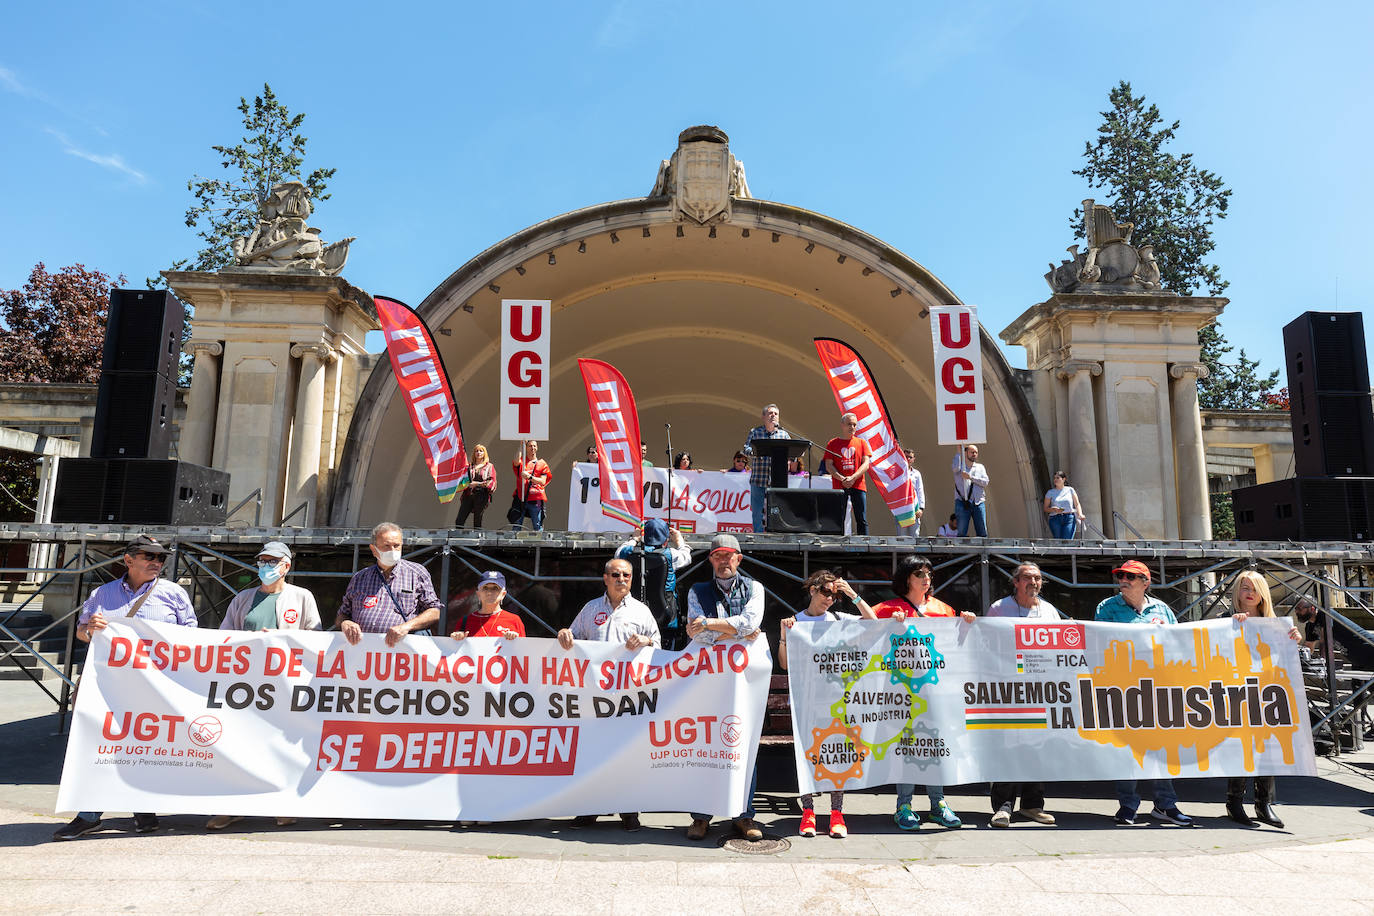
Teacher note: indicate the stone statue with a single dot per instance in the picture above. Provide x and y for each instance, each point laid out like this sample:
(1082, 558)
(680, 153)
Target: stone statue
(702, 177)
(1111, 262)
(283, 242)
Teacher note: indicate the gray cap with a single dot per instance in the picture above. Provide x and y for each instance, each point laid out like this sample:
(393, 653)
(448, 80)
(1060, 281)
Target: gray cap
(725, 542)
(275, 549)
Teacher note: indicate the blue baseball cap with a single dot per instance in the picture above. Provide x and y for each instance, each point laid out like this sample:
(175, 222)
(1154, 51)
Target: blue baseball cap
(491, 576)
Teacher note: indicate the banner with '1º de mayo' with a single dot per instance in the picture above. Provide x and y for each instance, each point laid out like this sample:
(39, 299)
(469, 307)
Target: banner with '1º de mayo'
(942, 701)
(291, 723)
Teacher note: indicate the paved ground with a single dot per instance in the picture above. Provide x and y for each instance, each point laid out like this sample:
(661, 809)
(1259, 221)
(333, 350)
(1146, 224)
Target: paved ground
(1323, 861)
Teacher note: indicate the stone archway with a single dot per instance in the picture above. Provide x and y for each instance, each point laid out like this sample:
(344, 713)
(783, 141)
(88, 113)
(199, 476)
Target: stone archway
(707, 322)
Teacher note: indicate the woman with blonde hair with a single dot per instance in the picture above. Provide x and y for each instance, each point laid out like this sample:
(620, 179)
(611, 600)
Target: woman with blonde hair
(477, 495)
(1250, 598)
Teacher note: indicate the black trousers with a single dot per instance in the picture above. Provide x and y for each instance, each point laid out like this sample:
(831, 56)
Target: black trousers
(1032, 794)
(472, 501)
(1264, 789)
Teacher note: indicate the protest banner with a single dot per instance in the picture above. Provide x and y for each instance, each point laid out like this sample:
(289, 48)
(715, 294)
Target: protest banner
(294, 723)
(941, 701)
(960, 416)
(615, 423)
(525, 336)
(856, 392)
(424, 382)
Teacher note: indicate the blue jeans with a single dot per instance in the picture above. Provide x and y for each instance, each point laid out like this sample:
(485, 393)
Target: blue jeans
(966, 511)
(1063, 526)
(1165, 797)
(756, 506)
(859, 500)
(749, 811)
(534, 511)
(935, 794)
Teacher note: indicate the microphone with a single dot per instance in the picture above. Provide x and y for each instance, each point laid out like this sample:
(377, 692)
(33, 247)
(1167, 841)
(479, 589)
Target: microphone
(667, 426)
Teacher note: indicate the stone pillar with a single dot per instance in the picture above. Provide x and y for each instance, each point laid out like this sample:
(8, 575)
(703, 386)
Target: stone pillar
(1194, 505)
(44, 556)
(302, 480)
(198, 429)
(1084, 468)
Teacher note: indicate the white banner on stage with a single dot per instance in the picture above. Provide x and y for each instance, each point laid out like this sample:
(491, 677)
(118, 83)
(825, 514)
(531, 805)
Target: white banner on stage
(291, 723)
(941, 701)
(960, 416)
(703, 501)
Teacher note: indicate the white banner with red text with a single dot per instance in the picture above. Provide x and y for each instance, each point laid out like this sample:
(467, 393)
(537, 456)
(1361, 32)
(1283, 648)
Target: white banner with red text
(960, 417)
(703, 501)
(944, 702)
(292, 723)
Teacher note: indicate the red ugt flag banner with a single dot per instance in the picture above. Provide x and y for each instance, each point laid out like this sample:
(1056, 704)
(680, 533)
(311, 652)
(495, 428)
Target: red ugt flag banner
(857, 392)
(420, 372)
(616, 424)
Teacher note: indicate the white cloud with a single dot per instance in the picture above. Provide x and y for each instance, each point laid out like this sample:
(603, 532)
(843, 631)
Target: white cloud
(114, 161)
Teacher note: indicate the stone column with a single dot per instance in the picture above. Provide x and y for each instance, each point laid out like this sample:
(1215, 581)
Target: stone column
(44, 555)
(198, 429)
(303, 470)
(1085, 473)
(1194, 505)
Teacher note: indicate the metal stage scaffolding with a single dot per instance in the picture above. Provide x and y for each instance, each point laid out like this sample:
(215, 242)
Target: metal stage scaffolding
(552, 574)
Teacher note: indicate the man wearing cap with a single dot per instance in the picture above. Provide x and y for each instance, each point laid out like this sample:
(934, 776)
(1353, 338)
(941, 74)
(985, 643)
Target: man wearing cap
(616, 617)
(394, 596)
(730, 606)
(489, 619)
(655, 564)
(761, 470)
(1132, 605)
(138, 593)
(274, 605)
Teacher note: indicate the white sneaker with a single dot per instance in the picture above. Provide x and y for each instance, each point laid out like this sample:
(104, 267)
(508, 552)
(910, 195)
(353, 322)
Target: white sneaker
(1003, 816)
(1039, 815)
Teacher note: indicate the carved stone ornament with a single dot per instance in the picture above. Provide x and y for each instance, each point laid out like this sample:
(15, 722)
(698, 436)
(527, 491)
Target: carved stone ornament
(702, 177)
(1111, 263)
(283, 243)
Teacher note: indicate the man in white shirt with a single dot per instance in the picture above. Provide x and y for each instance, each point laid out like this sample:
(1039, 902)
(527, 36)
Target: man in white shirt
(1025, 602)
(970, 492)
(615, 617)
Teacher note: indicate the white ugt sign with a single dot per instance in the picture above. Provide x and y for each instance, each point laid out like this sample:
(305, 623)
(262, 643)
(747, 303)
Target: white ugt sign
(958, 375)
(525, 368)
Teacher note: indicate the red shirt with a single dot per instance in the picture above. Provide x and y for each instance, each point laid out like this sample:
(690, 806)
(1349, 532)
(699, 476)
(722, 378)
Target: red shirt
(845, 456)
(531, 489)
(492, 624)
(934, 607)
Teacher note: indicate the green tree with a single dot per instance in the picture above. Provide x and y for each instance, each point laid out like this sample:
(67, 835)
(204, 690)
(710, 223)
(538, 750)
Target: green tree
(51, 330)
(1223, 518)
(1173, 204)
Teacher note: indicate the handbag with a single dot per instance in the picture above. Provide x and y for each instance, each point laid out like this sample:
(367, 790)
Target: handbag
(516, 512)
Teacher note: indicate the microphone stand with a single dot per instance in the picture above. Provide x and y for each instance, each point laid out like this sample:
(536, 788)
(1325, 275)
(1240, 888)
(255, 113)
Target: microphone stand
(668, 434)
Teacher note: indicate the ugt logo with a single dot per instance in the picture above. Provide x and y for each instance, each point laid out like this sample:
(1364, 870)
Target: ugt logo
(1049, 636)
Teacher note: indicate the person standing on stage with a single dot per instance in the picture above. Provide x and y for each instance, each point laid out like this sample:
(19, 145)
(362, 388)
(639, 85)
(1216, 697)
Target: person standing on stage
(970, 492)
(949, 529)
(394, 597)
(920, 487)
(615, 617)
(476, 496)
(1062, 507)
(138, 593)
(912, 582)
(274, 605)
(1132, 605)
(1024, 602)
(761, 471)
(532, 475)
(847, 457)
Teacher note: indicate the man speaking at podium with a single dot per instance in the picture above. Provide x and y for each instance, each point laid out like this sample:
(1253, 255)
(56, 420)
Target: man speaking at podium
(761, 469)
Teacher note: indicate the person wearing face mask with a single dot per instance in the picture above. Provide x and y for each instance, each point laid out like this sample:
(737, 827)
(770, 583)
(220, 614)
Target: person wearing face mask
(274, 605)
(394, 597)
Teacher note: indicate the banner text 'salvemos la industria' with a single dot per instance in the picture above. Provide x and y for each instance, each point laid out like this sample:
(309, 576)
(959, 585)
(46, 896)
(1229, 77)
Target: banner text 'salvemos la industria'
(856, 391)
(616, 423)
(420, 371)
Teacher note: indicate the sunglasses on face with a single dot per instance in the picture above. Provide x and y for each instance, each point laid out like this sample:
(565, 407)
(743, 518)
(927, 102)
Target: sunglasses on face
(1129, 576)
(621, 575)
(150, 557)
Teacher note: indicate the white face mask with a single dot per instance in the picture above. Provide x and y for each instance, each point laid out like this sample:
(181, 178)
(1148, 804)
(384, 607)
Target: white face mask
(388, 557)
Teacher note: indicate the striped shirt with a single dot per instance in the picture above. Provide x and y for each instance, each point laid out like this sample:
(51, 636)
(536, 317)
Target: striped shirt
(367, 603)
(761, 468)
(167, 602)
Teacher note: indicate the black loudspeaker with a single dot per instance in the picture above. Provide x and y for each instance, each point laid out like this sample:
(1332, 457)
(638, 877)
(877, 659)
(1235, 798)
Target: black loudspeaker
(133, 415)
(140, 491)
(1306, 509)
(143, 332)
(804, 511)
(1328, 389)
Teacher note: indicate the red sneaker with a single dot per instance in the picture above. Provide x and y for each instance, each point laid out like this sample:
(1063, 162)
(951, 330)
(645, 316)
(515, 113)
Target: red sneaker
(837, 828)
(808, 822)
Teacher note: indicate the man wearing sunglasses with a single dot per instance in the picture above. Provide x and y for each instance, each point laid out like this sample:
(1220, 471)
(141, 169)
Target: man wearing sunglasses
(1132, 605)
(138, 593)
(618, 617)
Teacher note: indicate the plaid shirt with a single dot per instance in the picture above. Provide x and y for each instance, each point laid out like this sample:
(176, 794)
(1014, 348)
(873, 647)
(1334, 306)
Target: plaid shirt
(761, 469)
(367, 603)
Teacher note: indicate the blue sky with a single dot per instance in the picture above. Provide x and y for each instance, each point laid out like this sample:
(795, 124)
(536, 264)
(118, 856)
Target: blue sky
(949, 131)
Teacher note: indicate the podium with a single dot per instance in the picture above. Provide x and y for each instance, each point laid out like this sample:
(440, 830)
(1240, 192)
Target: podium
(818, 510)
